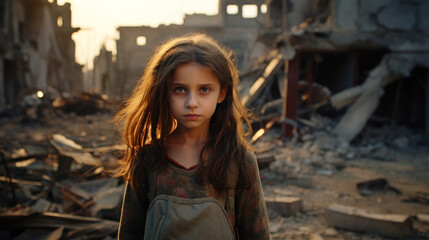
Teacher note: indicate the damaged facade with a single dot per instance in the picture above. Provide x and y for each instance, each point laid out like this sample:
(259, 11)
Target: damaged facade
(231, 26)
(371, 55)
(309, 68)
(343, 53)
(36, 49)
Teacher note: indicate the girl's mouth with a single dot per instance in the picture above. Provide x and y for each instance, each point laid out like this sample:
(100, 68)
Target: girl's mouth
(192, 116)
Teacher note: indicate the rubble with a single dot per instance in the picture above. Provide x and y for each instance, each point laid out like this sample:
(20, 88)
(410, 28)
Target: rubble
(338, 90)
(419, 197)
(369, 187)
(317, 156)
(285, 206)
(57, 178)
(92, 228)
(389, 225)
(84, 104)
(313, 170)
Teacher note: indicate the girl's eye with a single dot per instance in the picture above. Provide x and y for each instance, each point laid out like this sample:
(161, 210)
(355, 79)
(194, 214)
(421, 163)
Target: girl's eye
(205, 89)
(179, 90)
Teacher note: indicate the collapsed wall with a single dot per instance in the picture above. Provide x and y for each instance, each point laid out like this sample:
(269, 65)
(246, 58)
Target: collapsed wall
(356, 49)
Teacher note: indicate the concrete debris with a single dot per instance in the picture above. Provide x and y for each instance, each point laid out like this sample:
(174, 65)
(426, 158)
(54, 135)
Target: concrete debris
(264, 160)
(358, 114)
(315, 236)
(69, 148)
(291, 171)
(83, 104)
(423, 218)
(389, 225)
(285, 206)
(370, 187)
(419, 197)
(41, 205)
(338, 91)
(56, 177)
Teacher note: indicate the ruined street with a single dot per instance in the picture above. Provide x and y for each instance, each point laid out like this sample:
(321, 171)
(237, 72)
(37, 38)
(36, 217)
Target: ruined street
(313, 183)
(337, 90)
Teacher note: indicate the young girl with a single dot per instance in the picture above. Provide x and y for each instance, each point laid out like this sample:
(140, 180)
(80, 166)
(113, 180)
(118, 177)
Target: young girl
(187, 154)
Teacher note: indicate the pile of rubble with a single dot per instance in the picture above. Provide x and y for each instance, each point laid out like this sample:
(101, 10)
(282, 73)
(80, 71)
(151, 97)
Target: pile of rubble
(301, 207)
(317, 185)
(53, 175)
(41, 106)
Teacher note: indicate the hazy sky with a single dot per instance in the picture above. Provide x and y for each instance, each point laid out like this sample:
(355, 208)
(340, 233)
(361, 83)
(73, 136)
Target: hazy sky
(100, 18)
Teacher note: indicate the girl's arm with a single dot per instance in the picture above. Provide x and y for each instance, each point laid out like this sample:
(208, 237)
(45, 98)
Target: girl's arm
(252, 217)
(133, 215)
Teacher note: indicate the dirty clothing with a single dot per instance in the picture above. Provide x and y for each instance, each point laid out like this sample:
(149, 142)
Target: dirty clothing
(248, 216)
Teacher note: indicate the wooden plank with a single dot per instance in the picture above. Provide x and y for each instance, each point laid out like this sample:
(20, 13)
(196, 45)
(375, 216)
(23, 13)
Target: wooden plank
(263, 80)
(21, 182)
(49, 219)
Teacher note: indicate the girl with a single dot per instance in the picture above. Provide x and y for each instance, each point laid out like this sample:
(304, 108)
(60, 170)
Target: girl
(187, 154)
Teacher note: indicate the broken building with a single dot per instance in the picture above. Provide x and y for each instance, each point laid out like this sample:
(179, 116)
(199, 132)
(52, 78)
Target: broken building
(36, 49)
(236, 25)
(367, 59)
(371, 55)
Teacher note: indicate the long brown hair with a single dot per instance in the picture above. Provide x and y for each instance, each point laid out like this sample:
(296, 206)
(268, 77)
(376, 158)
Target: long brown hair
(147, 119)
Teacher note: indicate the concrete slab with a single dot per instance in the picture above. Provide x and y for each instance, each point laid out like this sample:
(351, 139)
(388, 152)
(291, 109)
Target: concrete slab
(286, 206)
(355, 219)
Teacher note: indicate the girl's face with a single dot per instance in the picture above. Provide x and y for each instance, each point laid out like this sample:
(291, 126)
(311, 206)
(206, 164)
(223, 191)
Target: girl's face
(193, 94)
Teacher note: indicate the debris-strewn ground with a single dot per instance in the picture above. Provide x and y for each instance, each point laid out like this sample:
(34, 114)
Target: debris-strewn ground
(322, 171)
(314, 167)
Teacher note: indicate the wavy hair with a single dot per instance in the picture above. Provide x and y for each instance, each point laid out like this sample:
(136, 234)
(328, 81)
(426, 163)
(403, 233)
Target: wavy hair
(146, 118)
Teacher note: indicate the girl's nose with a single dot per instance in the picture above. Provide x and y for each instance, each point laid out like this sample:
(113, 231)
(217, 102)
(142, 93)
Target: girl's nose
(191, 101)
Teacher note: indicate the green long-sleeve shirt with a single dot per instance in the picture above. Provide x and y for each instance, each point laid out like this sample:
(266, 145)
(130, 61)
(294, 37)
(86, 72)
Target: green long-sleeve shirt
(249, 217)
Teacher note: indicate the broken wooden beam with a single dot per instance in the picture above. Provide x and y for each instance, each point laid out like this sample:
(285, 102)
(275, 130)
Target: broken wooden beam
(77, 227)
(73, 195)
(49, 219)
(20, 181)
(290, 89)
(264, 130)
(263, 80)
(355, 219)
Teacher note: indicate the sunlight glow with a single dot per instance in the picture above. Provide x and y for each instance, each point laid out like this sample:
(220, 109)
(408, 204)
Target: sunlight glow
(98, 20)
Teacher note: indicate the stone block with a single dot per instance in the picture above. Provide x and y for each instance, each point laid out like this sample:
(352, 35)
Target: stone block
(286, 206)
(355, 219)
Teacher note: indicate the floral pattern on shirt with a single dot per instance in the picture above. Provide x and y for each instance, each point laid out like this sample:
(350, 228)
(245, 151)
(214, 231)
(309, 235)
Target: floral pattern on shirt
(249, 218)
